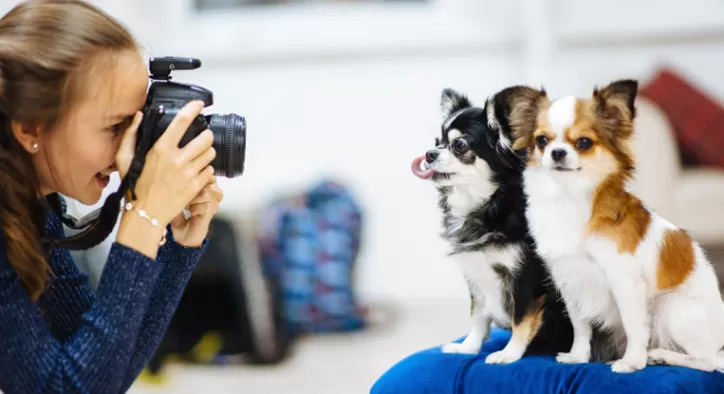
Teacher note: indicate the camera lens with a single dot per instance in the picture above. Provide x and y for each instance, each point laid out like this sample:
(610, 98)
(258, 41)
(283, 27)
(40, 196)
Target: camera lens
(229, 142)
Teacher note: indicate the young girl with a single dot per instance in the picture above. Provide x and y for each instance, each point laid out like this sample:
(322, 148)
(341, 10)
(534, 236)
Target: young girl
(72, 81)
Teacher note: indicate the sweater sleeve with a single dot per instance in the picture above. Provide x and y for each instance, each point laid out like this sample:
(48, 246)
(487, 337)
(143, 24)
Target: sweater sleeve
(96, 357)
(178, 263)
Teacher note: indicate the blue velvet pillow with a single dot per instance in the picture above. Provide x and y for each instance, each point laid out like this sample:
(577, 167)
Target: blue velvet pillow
(433, 372)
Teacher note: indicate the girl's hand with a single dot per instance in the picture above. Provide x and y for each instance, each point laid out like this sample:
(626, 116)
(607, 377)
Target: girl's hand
(170, 179)
(192, 232)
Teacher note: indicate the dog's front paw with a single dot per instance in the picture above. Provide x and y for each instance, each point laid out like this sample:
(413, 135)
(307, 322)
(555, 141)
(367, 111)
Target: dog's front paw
(656, 357)
(572, 358)
(502, 357)
(627, 365)
(462, 348)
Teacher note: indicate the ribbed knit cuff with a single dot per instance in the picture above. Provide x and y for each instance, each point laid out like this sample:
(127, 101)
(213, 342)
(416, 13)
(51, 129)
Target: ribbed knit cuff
(175, 253)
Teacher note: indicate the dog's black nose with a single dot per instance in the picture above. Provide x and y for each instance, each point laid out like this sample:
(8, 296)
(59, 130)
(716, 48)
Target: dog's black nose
(558, 154)
(431, 155)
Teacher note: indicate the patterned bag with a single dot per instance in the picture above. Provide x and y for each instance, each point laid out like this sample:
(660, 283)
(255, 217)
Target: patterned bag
(309, 243)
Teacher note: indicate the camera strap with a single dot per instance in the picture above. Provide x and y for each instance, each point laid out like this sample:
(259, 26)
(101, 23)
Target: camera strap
(100, 223)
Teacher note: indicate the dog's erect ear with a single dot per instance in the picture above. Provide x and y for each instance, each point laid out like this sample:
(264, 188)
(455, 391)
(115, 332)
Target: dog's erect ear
(615, 102)
(451, 101)
(516, 111)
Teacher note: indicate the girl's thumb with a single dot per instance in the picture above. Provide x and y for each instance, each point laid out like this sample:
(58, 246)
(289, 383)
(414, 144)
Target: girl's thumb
(128, 145)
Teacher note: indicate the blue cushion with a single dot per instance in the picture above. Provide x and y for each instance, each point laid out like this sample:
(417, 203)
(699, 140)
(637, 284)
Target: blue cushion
(431, 371)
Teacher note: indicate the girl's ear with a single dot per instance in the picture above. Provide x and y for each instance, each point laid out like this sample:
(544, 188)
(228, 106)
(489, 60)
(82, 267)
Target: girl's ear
(28, 136)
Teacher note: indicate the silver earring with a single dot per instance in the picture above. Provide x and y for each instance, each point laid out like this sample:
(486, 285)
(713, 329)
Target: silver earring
(35, 146)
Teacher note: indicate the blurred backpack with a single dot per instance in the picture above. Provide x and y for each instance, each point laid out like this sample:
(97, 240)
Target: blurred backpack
(309, 244)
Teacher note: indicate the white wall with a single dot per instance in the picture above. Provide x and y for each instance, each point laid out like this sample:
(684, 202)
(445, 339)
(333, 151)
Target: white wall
(325, 94)
(366, 114)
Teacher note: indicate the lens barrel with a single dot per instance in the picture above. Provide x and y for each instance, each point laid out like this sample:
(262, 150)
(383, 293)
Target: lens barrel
(229, 142)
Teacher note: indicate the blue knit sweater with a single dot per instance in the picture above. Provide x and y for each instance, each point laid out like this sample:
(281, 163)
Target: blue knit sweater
(77, 341)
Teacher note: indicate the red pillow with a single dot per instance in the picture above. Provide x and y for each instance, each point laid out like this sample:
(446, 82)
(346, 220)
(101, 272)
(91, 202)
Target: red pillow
(698, 121)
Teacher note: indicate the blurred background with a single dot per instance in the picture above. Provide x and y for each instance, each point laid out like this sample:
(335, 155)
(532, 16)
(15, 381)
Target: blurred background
(326, 267)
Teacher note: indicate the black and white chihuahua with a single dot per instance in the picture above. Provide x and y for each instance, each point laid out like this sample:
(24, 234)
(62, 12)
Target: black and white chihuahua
(478, 173)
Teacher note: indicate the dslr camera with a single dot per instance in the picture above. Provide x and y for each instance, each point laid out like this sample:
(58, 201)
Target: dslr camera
(164, 101)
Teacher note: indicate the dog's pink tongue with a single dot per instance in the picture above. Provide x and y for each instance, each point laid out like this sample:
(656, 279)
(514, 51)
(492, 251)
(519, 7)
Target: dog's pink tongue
(420, 173)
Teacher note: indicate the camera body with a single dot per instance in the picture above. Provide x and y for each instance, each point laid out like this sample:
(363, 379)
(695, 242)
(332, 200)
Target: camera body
(164, 101)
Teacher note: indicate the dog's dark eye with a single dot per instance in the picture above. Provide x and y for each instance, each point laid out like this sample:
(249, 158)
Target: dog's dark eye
(460, 145)
(584, 143)
(541, 141)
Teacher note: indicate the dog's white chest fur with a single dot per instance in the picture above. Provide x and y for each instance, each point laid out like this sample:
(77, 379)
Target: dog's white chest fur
(482, 279)
(558, 218)
(465, 198)
(554, 212)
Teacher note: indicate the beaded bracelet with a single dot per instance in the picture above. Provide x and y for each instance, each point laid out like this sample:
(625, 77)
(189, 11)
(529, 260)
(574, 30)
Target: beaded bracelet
(154, 222)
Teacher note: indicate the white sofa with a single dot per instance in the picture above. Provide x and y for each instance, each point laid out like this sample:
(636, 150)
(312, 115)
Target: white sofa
(690, 198)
